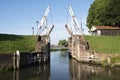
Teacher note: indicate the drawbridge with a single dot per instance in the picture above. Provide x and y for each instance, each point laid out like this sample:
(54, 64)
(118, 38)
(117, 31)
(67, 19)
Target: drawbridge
(78, 47)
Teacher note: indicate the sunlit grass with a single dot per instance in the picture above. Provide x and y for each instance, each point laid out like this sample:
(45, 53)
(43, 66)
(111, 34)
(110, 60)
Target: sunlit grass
(11, 43)
(101, 44)
(104, 44)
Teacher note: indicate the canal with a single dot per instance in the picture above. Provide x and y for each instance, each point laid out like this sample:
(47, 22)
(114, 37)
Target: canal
(61, 67)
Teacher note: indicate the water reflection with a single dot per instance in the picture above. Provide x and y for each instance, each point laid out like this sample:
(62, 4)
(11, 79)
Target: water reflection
(79, 71)
(38, 72)
(59, 66)
(62, 68)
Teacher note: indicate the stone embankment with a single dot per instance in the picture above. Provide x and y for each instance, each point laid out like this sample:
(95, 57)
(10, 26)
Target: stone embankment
(78, 48)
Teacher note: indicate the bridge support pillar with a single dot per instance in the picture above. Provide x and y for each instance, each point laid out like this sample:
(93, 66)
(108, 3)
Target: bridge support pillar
(78, 47)
(43, 46)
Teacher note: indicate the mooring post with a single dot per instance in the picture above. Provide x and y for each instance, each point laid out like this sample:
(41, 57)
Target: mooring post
(108, 60)
(17, 59)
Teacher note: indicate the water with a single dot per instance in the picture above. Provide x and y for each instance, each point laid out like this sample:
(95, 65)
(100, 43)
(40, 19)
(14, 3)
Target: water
(62, 68)
(59, 66)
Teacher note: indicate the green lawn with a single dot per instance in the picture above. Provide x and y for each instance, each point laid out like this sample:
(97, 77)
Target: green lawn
(104, 44)
(10, 43)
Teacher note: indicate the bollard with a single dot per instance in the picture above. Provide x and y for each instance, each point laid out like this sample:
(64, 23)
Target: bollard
(108, 60)
(17, 59)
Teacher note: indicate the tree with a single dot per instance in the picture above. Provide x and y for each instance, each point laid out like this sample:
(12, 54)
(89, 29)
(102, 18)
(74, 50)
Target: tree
(104, 13)
(62, 42)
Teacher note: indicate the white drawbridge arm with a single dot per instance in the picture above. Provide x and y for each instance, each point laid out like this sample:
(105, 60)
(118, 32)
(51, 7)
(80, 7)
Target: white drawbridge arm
(44, 18)
(75, 23)
(50, 30)
(68, 29)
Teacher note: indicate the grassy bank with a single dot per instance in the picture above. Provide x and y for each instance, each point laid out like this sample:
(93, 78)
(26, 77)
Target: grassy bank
(10, 43)
(101, 44)
(104, 44)
(114, 62)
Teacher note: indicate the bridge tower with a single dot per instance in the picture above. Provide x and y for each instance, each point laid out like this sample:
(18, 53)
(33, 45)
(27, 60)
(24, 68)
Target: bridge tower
(76, 43)
(43, 35)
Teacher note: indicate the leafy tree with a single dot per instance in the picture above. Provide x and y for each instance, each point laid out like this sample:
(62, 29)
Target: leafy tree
(104, 13)
(62, 42)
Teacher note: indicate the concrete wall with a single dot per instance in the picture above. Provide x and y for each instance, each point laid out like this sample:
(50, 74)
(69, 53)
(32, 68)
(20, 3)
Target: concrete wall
(6, 60)
(43, 45)
(24, 58)
(78, 47)
(20, 59)
(14, 61)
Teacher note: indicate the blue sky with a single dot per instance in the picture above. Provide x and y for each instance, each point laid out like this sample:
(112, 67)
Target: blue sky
(19, 16)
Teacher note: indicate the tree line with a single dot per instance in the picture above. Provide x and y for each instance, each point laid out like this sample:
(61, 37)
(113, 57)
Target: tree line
(104, 13)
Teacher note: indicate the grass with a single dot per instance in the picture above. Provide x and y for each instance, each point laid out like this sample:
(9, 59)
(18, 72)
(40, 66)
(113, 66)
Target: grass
(104, 44)
(10, 43)
(113, 61)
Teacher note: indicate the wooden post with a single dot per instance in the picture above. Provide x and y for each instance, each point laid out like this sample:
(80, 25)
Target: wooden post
(108, 60)
(17, 59)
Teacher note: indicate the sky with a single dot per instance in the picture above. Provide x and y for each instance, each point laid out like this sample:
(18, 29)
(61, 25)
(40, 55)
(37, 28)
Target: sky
(19, 16)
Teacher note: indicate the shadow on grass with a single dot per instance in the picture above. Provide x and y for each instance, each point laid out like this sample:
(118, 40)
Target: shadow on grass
(10, 37)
